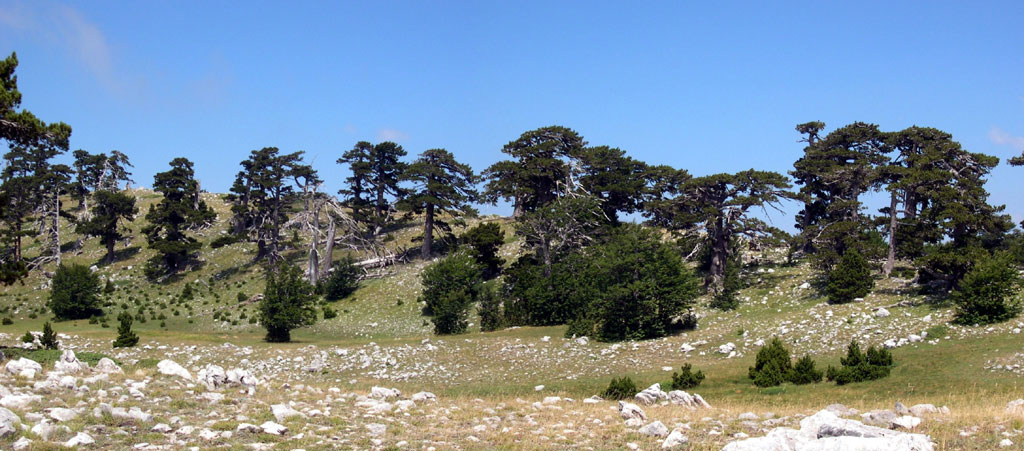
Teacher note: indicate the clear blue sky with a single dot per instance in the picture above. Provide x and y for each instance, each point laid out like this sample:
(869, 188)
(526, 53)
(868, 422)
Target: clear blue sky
(707, 86)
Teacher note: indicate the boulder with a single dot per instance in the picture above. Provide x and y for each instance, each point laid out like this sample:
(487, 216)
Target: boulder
(9, 422)
(881, 313)
(424, 396)
(69, 364)
(212, 377)
(80, 439)
(273, 428)
(17, 367)
(108, 366)
(651, 395)
(61, 414)
(384, 393)
(825, 431)
(283, 412)
(654, 429)
(674, 440)
(1015, 407)
(630, 411)
(171, 368)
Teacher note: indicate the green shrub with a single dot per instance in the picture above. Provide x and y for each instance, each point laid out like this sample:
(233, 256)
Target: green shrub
(728, 298)
(49, 338)
(641, 285)
(804, 372)
(858, 366)
(109, 287)
(583, 326)
(186, 292)
(224, 240)
(850, 279)
(491, 315)
(987, 293)
(772, 365)
(686, 379)
(329, 313)
(75, 293)
(288, 303)
(455, 280)
(484, 240)
(125, 337)
(28, 337)
(450, 312)
(342, 281)
(241, 297)
(7, 321)
(622, 388)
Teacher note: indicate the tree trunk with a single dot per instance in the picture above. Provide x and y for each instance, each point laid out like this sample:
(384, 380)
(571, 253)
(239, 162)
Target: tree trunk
(314, 243)
(428, 232)
(805, 223)
(890, 261)
(517, 209)
(719, 254)
(110, 251)
(329, 252)
(55, 233)
(545, 247)
(17, 241)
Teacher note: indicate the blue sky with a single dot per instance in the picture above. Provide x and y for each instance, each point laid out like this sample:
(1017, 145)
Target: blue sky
(710, 87)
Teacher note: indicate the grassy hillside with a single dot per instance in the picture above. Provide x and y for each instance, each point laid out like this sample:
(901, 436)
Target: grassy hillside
(380, 338)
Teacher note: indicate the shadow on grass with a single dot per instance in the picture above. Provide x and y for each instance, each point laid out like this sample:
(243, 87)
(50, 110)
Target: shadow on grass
(119, 256)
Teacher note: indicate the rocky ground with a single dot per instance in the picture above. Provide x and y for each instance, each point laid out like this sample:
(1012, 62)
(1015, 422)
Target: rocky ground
(162, 396)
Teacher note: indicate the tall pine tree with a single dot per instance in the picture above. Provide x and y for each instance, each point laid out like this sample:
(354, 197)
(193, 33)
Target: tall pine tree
(443, 187)
(170, 219)
(108, 212)
(262, 197)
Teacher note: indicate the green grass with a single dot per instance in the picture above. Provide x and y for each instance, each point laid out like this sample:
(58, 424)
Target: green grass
(48, 356)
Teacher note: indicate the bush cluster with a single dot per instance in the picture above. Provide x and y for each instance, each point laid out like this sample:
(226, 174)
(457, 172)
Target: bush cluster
(987, 293)
(773, 367)
(858, 366)
(630, 286)
(75, 293)
(342, 281)
(621, 388)
(450, 287)
(686, 379)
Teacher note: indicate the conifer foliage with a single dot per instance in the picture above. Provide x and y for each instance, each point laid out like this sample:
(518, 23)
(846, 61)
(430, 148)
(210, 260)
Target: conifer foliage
(850, 279)
(988, 293)
(288, 303)
(180, 210)
(125, 337)
(858, 366)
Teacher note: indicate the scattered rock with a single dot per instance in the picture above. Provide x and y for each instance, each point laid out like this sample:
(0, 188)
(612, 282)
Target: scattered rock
(171, 368)
(674, 440)
(273, 428)
(80, 439)
(655, 429)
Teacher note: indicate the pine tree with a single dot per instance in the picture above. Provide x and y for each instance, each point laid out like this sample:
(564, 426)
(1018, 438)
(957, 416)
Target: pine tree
(263, 196)
(110, 209)
(850, 279)
(49, 338)
(180, 210)
(772, 365)
(541, 164)
(720, 204)
(125, 337)
(356, 193)
(288, 303)
(22, 188)
(834, 172)
(443, 187)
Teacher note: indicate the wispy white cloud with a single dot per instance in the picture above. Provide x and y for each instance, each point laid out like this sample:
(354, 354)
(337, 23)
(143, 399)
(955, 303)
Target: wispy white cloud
(1002, 138)
(390, 134)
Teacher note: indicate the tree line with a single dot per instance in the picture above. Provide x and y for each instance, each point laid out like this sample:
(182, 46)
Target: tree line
(567, 198)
